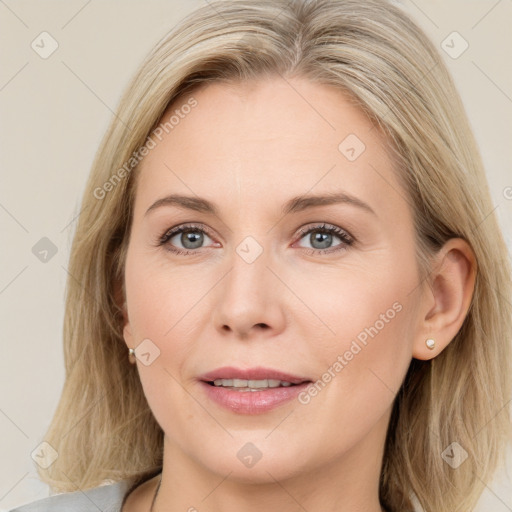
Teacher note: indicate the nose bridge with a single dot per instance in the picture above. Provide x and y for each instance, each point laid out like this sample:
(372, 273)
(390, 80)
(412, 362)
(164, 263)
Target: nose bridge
(246, 283)
(248, 299)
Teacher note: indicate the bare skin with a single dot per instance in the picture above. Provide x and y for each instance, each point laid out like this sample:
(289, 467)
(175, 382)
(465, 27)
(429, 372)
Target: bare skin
(250, 148)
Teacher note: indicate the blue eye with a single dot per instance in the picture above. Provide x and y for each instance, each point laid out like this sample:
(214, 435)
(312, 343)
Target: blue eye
(321, 238)
(191, 237)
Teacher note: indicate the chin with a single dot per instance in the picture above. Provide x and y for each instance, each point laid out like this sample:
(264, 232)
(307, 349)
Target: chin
(252, 463)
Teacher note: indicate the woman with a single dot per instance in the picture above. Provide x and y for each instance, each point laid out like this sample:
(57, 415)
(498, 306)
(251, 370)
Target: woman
(288, 288)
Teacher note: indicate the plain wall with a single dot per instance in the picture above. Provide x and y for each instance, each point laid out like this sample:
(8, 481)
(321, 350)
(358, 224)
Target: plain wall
(54, 112)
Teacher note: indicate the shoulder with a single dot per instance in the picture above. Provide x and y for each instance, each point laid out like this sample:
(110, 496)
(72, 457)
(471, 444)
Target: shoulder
(105, 498)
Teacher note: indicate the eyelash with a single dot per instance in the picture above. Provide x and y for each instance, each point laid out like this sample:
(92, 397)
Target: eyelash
(346, 238)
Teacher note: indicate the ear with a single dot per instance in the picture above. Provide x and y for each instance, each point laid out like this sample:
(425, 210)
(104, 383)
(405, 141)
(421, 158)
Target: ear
(120, 298)
(446, 298)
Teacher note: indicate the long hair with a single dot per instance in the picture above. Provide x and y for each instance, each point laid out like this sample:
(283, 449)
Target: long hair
(103, 429)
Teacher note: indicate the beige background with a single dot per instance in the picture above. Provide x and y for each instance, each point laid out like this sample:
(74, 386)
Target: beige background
(54, 112)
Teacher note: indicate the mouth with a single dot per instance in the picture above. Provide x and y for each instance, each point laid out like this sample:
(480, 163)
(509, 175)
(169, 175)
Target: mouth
(253, 384)
(252, 390)
(247, 379)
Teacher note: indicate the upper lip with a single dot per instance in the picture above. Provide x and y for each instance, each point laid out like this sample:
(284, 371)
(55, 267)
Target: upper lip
(257, 373)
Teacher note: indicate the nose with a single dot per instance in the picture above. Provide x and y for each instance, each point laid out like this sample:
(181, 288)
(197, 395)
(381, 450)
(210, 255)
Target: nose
(250, 302)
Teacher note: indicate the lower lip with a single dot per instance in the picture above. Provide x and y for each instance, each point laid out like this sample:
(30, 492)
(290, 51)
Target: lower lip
(252, 402)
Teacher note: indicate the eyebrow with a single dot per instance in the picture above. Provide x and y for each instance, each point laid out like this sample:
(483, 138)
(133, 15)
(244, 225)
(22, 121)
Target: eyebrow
(301, 203)
(296, 204)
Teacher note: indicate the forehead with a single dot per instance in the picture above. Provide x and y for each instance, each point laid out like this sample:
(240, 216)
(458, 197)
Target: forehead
(268, 138)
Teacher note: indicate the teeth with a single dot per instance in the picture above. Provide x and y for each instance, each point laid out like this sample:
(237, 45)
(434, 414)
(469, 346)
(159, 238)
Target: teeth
(251, 384)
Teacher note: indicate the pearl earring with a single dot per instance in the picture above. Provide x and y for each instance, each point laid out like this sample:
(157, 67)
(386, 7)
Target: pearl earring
(430, 343)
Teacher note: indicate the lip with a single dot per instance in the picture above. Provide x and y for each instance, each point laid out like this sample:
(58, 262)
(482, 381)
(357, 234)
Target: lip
(252, 402)
(257, 373)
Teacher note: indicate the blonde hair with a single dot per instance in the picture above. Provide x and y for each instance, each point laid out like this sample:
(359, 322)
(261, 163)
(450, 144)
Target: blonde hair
(103, 428)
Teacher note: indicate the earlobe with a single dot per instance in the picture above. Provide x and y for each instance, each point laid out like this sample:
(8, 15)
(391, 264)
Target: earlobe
(128, 337)
(447, 299)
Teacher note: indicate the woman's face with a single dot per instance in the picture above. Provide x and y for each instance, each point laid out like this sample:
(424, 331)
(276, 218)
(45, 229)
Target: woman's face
(270, 276)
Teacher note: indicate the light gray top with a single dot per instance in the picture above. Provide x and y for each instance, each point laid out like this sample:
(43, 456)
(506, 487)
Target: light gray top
(105, 498)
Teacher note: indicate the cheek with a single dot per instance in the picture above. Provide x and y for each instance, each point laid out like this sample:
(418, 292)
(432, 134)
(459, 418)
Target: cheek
(161, 309)
(364, 344)
(166, 305)
(360, 369)
(161, 296)
(358, 302)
